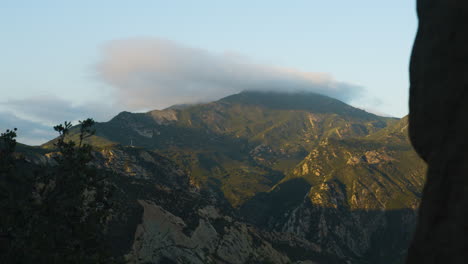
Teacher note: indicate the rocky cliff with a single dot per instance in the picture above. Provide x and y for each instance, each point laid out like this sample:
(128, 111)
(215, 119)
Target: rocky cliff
(160, 217)
(357, 198)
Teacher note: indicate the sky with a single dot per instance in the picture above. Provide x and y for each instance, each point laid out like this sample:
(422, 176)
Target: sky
(69, 60)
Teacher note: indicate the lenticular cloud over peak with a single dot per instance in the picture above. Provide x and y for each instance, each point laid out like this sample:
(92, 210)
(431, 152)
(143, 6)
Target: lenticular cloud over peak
(156, 73)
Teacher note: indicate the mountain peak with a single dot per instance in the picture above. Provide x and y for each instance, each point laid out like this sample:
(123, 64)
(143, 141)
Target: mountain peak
(307, 101)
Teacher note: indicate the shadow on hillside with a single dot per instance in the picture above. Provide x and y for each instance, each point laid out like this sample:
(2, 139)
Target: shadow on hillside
(361, 236)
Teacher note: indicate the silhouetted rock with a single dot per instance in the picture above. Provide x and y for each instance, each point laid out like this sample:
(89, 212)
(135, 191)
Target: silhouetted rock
(439, 92)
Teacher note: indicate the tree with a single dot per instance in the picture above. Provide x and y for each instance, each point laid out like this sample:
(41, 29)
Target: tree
(7, 148)
(64, 209)
(12, 191)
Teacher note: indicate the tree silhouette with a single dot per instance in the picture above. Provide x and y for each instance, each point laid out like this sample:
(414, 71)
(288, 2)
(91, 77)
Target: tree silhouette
(53, 213)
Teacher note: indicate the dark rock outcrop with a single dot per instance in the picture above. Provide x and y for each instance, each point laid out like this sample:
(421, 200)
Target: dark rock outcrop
(438, 96)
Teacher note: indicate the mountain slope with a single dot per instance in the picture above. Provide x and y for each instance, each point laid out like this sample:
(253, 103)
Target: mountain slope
(158, 216)
(242, 144)
(305, 167)
(357, 197)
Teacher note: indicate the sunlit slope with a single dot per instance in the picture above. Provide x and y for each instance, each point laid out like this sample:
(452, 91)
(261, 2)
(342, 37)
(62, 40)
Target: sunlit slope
(356, 197)
(242, 144)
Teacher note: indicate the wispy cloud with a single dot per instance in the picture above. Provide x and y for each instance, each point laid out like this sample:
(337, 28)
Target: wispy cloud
(29, 132)
(50, 110)
(35, 116)
(156, 73)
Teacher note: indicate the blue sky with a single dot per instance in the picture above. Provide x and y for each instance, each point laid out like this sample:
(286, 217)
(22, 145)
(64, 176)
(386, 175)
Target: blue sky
(59, 58)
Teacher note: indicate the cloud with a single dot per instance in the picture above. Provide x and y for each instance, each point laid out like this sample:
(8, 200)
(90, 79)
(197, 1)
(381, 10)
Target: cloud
(35, 116)
(51, 110)
(29, 132)
(146, 74)
(155, 73)
(371, 104)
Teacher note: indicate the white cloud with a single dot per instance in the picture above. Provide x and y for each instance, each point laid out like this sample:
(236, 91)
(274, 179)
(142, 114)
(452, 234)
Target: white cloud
(51, 110)
(147, 74)
(155, 73)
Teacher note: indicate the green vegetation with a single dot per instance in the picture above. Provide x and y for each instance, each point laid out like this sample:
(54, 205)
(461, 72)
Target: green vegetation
(377, 171)
(251, 142)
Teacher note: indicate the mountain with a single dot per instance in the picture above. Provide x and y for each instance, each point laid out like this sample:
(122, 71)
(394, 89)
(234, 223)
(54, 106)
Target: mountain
(161, 217)
(357, 196)
(251, 133)
(156, 216)
(306, 176)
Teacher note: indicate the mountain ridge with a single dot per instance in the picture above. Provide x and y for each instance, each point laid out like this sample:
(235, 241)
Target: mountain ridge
(317, 169)
(265, 133)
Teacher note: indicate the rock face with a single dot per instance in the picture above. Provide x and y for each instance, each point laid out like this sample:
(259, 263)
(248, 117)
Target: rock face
(356, 198)
(160, 217)
(438, 95)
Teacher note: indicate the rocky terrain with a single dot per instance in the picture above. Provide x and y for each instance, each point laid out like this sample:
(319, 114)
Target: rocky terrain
(159, 216)
(259, 178)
